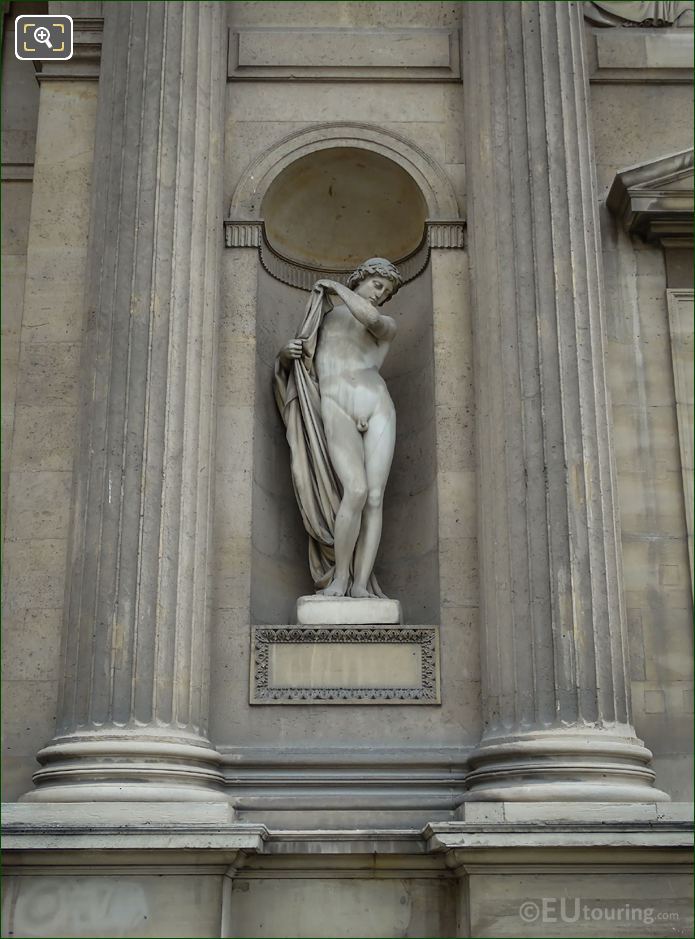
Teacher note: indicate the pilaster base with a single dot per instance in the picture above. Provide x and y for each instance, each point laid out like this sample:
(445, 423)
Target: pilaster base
(128, 765)
(562, 765)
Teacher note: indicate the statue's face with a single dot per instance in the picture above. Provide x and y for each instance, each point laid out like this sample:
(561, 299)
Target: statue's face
(375, 288)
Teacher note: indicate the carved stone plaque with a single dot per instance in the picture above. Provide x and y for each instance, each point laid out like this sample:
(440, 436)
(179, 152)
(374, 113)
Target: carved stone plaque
(345, 665)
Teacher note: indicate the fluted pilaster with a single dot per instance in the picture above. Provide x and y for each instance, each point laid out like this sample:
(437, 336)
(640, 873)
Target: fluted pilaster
(133, 706)
(556, 694)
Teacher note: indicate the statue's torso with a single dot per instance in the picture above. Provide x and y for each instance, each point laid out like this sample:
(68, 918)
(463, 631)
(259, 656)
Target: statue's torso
(348, 359)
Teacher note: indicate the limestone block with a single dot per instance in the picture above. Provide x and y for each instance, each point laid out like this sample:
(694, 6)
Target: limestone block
(352, 54)
(114, 904)
(357, 907)
(19, 109)
(579, 904)
(651, 504)
(459, 636)
(230, 570)
(458, 570)
(275, 584)
(236, 370)
(654, 427)
(232, 505)
(410, 525)
(619, 113)
(31, 644)
(45, 438)
(315, 610)
(327, 101)
(238, 313)
(643, 49)
(29, 710)
(39, 505)
(14, 271)
(379, 14)
(454, 128)
(16, 201)
(54, 293)
(455, 437)
(413, 462)
(49, 374)
(229, 669)
(635, 629)
(414, 580)
(266, 522)
(457, 494)
(413, 397)
(629, 382)
(271, 463)
(293, 539)
(36, 571)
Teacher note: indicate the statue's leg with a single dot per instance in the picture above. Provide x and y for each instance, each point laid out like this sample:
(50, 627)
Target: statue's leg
(346, 450)
(379, 441)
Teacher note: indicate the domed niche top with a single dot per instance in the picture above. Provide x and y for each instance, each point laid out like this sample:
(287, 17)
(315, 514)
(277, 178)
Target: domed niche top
(335, 207)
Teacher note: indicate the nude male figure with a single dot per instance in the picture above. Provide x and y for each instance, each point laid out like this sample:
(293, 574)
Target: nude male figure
(358, 415)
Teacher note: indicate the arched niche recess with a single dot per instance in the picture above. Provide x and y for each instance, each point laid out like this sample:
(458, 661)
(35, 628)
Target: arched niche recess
(320, 202)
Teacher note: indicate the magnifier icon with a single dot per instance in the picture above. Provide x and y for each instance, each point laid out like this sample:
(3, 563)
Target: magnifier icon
(41, 34)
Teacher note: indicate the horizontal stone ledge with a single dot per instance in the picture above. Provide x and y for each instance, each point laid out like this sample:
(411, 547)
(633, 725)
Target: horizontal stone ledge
(209, 828)
(242, 757)
(438, 234)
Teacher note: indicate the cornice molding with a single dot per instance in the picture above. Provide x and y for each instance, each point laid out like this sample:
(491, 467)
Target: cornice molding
(655, 200)
(438, 234)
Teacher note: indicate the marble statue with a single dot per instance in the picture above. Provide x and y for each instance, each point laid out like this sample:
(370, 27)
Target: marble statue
(646, 13)
(341, 424)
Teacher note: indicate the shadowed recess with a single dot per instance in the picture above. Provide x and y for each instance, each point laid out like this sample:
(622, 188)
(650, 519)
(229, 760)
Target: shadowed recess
(334, 207)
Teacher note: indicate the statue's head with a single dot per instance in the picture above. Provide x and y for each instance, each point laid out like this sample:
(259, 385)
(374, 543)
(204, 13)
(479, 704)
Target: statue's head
(376, 267)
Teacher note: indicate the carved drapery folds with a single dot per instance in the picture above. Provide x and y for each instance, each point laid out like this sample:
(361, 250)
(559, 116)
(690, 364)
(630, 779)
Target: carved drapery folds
(643, 13)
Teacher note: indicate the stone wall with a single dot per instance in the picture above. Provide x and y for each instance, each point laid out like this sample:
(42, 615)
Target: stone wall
(315, 819)
(47, 213)
(658, 591)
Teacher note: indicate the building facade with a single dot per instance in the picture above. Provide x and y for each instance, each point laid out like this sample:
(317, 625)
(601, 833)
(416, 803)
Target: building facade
(183, 757)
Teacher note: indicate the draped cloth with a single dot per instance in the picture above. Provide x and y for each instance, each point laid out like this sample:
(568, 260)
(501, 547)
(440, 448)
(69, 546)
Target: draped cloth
(644, 13)
(316, 486)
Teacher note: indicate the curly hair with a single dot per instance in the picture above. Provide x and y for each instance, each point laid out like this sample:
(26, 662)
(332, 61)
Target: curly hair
(379, 267)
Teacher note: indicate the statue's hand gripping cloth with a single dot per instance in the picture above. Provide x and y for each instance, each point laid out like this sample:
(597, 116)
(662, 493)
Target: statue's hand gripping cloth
(316, 485)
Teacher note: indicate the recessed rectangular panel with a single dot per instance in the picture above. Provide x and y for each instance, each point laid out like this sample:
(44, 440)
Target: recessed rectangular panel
(369, 54)
(345, 665)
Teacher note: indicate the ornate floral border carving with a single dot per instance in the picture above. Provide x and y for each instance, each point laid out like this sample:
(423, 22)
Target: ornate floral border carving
(427, 637)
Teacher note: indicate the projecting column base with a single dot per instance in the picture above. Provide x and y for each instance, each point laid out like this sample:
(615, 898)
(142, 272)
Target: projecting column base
(562, 766)
(130, 766)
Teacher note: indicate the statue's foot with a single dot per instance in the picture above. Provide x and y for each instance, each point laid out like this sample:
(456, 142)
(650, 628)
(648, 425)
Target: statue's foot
(334, 589)
(358, 592)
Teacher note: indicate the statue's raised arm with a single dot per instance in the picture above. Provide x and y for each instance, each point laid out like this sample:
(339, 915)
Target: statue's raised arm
(364, 310)
(341, 424)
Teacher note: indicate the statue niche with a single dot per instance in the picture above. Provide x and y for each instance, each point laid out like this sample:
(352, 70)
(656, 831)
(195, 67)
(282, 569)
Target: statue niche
(324, 213)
